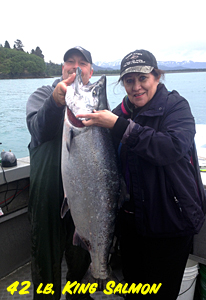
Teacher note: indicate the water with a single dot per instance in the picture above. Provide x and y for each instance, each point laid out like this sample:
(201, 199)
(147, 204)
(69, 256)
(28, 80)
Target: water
(14, 93)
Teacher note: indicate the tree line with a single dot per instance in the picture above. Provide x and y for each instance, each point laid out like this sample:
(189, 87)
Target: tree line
(16, 63)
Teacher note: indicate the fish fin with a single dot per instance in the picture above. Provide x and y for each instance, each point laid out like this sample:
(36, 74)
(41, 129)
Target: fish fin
(64, 208)
(69, 140)
(78, 241)
(101, 283)
(103, 102)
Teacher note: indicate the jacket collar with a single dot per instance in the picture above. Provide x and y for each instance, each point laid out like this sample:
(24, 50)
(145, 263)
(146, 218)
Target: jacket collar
(157, 103)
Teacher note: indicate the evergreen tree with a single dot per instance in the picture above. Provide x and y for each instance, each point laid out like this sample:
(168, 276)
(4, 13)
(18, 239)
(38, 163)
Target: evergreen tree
(18, 45)
(6, 45)
(37, 52)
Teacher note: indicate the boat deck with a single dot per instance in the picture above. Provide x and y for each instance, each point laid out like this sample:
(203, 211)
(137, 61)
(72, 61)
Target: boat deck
(24, 274)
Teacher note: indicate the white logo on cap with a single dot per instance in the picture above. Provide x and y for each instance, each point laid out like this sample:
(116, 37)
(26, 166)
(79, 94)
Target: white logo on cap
(134, 61)
(133, 55)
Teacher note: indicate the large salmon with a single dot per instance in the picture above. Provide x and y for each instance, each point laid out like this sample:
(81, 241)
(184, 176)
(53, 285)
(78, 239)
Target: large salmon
(90, 174)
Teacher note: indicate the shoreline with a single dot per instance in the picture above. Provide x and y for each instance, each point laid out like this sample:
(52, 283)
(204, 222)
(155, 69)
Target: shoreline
(185, 71)
(102, 72)
(25, 77)
(110, 73)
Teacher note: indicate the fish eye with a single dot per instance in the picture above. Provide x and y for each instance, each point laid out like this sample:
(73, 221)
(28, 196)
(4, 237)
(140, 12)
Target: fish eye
(94, 93)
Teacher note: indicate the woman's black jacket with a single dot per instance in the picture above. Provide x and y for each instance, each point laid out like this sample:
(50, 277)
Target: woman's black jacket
(155, 150)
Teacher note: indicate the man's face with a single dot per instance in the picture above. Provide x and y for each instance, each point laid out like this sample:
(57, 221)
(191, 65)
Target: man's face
(76, 59)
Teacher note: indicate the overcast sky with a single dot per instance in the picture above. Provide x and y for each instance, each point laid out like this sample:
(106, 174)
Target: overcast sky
(109, 29)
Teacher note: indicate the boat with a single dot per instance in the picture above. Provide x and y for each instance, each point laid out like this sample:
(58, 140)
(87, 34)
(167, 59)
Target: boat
(14, 223)
(15, 230)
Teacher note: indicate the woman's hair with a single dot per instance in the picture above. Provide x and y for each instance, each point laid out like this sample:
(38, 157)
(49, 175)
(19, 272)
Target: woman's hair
(158, 73)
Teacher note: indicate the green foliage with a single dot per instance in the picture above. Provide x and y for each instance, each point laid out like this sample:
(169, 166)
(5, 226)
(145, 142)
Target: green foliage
(53, 69)
(18, 45)
(37, 52)
(14, 64)
(6, 45)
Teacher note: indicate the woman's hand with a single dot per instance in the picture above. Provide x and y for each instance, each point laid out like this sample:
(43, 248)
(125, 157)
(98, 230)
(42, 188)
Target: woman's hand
(101, 118)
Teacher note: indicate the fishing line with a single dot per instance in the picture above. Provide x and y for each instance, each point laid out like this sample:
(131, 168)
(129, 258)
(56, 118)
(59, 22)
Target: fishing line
(18, 191)
(16, 194)
(7, 185)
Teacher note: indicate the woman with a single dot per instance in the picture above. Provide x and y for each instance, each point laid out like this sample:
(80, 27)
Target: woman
(155, 132)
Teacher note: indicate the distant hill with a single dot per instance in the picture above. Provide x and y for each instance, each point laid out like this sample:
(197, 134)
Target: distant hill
(163, 65)
(16, 63)
(170, 65)
(100, 68)
(114, 65)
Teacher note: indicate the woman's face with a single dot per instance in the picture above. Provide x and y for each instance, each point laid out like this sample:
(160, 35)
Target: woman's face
(140, 87)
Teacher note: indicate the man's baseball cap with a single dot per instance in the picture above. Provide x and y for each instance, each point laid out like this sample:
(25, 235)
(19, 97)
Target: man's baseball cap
(140, 61)
(84, 52)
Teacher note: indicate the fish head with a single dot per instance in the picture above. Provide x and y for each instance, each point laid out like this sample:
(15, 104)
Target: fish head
(101, 93)
(83, 99)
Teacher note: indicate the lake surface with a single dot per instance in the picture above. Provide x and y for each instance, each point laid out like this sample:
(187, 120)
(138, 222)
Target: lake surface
(14, 93)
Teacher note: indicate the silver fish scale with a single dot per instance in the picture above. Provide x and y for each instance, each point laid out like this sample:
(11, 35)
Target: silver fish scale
(92, 187)
(90, 176)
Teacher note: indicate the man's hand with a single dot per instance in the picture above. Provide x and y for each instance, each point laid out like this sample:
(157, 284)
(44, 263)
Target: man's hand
(61, 88)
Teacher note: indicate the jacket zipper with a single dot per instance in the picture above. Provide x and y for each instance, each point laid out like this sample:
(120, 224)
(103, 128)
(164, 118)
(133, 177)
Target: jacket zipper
(177, 202)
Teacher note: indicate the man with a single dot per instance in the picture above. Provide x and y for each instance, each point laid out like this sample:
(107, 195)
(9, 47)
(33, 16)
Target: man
(51, 235)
